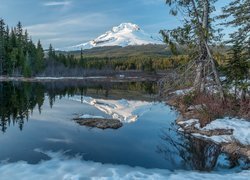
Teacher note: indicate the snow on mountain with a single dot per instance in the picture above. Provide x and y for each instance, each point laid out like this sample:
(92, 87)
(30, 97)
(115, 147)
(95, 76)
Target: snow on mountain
(123, 35)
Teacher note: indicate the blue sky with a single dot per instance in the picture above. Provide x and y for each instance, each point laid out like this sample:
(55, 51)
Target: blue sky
(68, 22)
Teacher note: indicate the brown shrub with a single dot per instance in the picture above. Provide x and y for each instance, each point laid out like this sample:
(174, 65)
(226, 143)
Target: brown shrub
(244, 110)
(208, 107)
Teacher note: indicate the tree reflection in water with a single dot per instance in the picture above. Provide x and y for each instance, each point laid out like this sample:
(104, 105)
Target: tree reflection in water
(194, 153)
(18, 99)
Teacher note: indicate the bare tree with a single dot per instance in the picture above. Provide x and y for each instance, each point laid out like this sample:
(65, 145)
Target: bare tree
(196, 33)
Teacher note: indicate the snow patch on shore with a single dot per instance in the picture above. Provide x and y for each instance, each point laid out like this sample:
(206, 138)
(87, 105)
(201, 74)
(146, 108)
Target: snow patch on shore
(181, 92)
(216, 139)
(59, 166)
(124, 110)
(240, 127)
(189, 122)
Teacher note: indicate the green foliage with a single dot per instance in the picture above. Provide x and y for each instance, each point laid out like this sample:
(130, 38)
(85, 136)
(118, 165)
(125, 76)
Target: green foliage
(236, 14)
(237, 68)
(39, 58)
(18, 54)
(238, 63)
(26, 66)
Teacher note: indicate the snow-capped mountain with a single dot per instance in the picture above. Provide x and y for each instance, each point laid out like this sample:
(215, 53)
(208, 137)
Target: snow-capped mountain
(125, 34)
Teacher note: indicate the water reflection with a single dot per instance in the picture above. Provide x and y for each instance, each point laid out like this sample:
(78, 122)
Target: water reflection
(193, 153)
(132, 145)
(18, 99)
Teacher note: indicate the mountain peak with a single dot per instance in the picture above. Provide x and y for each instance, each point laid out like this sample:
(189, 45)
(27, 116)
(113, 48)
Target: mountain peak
(126, 26)
(126, 34)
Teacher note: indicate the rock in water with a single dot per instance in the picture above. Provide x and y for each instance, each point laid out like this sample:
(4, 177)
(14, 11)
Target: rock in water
(99, 123)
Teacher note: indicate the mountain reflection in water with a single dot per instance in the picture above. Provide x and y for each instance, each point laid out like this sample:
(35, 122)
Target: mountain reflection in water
(17, 99)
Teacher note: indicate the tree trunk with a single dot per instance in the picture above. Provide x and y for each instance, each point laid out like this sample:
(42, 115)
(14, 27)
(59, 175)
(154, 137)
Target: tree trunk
(243, 94)
(205, 50)
(198, 78)
(215, 72)
(200, 81)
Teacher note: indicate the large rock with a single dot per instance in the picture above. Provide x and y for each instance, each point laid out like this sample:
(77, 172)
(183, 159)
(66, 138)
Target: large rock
(99, 123)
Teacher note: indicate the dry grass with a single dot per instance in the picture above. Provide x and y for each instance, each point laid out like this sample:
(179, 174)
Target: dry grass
(208, 107)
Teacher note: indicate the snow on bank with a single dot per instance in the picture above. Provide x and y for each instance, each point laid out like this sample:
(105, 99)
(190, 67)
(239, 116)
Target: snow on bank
(65, 168)
(240, 127)
(181, 92)
(124, 110)
(60, 78)
(88, 116)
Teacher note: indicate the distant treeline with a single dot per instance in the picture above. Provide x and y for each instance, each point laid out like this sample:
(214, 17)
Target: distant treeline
(140, 62)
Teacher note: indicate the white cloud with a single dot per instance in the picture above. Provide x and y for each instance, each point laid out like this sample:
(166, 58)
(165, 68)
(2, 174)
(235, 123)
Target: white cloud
(57, 3)
(73, 29)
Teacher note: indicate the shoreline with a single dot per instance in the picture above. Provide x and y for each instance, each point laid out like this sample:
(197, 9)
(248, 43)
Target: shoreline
(233, 148)
(86, 78)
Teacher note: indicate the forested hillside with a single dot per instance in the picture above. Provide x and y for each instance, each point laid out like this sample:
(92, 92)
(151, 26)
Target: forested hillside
(117, 51)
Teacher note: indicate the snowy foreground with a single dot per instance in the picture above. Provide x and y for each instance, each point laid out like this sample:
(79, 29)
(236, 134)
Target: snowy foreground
(124, 110)
(240, 127)
(62, 167)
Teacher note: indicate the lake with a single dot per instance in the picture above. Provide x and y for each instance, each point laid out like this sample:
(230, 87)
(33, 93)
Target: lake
(37, 127)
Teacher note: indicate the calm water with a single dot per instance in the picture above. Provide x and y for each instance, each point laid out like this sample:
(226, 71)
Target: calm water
(39, 116)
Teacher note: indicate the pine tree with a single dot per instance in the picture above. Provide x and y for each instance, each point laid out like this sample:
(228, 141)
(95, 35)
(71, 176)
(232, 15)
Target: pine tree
(13, 60)
(27, 67)
(7, 62)
(19, 33)
(51, 52)
(2, 50)
(18, 54)
(237, 68)
(237, 15)
(52, 57)
(39, 60)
